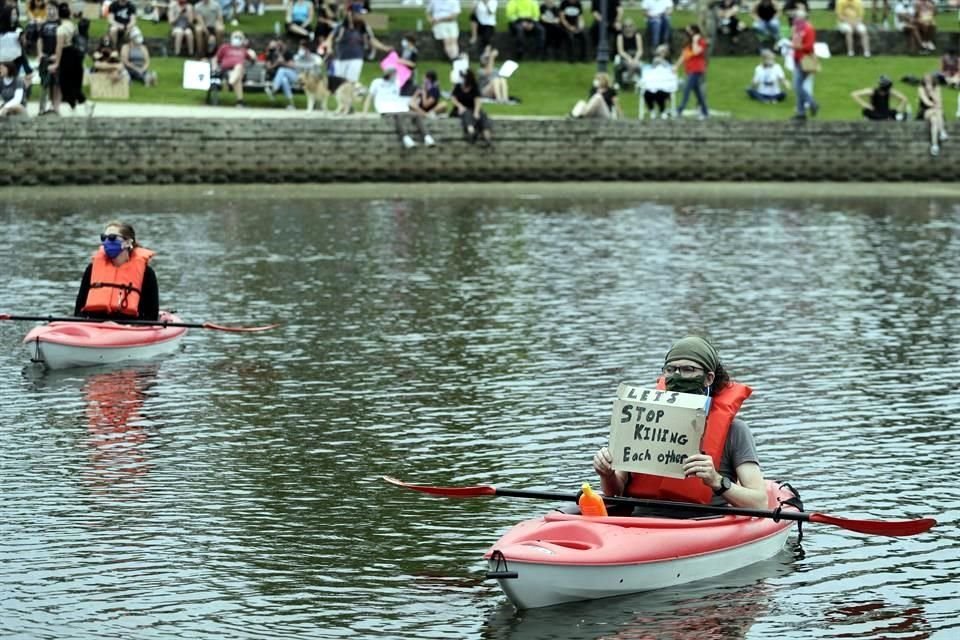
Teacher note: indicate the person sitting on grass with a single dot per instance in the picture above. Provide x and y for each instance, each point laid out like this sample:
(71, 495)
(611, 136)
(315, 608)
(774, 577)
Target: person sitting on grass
(601, 101)
(13, 97)
(876, 101)
(950, 69)
(765, 21)
(727, 16)
(629, 57)
(208, 26)
(492, 86)
(181, 18)
(284, 77)
(136, 60)
(231, 59)
(769, 81)
(930, 108)
(122, 16)
(300, 19)
(850, 19)
(925, 15)
(904, 22)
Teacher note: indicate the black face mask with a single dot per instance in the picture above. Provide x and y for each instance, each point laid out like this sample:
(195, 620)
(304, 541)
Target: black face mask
(680, 384)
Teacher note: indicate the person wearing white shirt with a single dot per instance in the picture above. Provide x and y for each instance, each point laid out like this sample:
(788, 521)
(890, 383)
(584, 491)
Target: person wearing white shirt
(769, 81)
(443, 15)
(483, 23)
(658, 21)
(384, 93)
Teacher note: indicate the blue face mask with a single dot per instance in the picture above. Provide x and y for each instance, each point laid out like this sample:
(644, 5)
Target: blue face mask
(113, 248)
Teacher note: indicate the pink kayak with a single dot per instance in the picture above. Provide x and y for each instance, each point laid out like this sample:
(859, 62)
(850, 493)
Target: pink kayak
(64, 344)
(562, 557)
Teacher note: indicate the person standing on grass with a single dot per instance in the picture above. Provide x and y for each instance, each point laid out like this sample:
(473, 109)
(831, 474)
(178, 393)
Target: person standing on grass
(694, 63)
(804, 37)
(443, 15)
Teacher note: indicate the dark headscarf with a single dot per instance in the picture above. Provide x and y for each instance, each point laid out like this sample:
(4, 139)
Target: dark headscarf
(694, 348)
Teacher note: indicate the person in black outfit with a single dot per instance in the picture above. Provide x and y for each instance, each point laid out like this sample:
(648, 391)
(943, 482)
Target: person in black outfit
(876, 101)
(466, 106)
(554, 37)
(118, 241)
(614, 23)
(571, 20)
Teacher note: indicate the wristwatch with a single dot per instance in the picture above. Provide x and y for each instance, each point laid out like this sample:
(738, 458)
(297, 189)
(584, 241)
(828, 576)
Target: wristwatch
(725, 485)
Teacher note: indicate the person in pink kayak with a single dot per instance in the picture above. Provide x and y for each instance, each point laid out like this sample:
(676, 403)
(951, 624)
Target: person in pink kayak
(727, 471)
(119, 282)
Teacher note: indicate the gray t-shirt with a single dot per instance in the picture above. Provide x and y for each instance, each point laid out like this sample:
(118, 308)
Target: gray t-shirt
(739, 449)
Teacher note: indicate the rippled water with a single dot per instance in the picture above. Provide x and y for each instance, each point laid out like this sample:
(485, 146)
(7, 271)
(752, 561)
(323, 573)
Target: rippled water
(231, 490)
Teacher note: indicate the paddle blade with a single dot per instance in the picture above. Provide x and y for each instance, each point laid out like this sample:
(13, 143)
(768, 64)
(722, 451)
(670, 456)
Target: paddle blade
(878, 527)
(447, 492)
(218, 327)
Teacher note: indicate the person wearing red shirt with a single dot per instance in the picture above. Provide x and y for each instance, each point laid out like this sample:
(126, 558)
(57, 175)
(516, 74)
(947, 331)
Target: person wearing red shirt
(694, 61)
(231, 59)
(804, 37)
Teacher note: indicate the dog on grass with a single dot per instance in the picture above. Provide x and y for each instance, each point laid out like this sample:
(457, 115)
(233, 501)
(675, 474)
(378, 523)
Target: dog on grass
(316, 86)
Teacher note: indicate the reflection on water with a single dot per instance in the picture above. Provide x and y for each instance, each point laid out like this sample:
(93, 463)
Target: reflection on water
(232, 490)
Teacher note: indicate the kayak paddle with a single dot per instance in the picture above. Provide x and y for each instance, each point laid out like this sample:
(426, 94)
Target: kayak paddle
(147, 323)
(875, 527)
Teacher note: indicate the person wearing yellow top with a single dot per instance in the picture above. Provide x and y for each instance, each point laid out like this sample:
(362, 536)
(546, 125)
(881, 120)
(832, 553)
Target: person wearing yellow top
(523, 16)
(850, 19)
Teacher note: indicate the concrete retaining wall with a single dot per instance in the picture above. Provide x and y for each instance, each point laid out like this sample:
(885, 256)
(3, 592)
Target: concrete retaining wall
(358, 149)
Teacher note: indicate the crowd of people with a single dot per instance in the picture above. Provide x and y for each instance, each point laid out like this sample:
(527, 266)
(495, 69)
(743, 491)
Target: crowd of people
(333, 42)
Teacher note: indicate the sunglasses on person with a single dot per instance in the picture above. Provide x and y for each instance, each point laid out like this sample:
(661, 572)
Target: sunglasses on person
(112, 237)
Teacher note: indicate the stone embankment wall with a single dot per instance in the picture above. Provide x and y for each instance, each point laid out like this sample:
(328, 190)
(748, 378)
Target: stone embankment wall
(358, 149)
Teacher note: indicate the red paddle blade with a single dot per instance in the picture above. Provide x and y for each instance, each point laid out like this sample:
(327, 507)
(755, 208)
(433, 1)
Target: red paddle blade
(218, 327)
(449, 492)
(878, 527)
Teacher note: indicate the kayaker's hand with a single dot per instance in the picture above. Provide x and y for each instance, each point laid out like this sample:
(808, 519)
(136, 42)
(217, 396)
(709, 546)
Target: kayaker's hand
(701, 466)
(603, 463)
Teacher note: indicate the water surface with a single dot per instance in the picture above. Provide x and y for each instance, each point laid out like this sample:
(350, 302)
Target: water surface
(232, 489)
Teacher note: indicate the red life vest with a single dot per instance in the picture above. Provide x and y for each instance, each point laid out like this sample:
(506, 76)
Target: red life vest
(723, 408)
(116, 290)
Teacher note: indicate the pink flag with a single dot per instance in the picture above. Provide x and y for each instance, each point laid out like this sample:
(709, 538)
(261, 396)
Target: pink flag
(392, 61)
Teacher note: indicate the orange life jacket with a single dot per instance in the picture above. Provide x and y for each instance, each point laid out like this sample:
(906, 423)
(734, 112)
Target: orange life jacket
(116, 290)
(723, 408)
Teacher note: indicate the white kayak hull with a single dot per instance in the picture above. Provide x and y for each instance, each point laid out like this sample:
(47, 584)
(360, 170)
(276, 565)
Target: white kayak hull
(58, 356)
(544, 584)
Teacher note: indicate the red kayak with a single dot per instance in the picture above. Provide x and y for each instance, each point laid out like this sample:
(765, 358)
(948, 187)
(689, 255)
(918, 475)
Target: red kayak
(64, 344)
(562, 557)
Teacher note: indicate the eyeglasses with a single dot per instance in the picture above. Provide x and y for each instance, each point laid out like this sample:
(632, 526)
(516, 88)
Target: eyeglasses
(112, 237)
(685, 371)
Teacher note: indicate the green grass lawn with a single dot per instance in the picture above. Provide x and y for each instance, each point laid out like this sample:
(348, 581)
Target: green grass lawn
(551, 88)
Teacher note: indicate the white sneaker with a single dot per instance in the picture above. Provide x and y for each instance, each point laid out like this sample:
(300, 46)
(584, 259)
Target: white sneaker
(934, 150)
(943, 136)
(234, 23)
(428, 140)
(268, 89)
(408, 142)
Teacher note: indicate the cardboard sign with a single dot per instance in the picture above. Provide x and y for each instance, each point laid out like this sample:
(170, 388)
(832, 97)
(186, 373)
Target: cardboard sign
(654, 431)
(391, 61)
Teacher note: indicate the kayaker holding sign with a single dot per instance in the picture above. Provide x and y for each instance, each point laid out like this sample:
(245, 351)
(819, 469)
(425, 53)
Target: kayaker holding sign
(728, 469)
(119, 282)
